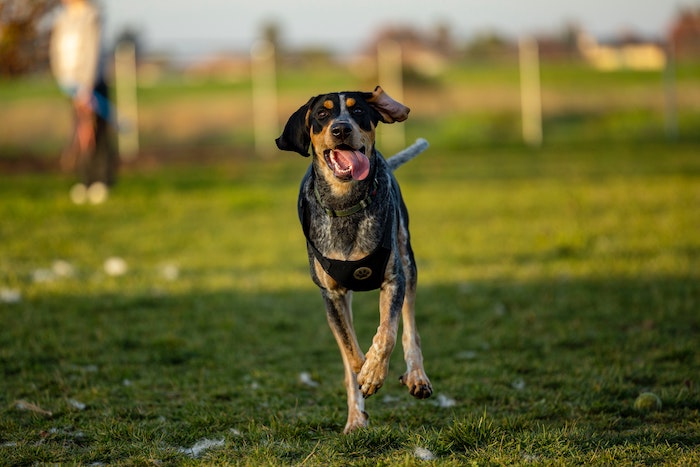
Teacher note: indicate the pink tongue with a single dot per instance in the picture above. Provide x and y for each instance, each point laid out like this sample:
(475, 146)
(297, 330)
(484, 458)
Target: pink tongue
(355, 160)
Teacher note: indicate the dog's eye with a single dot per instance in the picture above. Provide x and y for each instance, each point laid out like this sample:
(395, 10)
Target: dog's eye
(322, 114)
(358, 111)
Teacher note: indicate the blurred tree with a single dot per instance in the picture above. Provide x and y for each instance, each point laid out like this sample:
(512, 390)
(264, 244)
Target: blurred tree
(133, 36)
(443, 38)
(24, 35)
(490, 45)
(272, 32)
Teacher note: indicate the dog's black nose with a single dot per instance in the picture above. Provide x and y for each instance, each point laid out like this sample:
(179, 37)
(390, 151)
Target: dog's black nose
(341, 130)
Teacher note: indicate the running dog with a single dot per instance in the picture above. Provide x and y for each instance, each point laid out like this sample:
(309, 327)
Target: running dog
(356, 227)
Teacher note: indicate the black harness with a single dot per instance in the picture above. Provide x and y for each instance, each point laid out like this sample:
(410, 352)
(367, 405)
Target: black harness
(361, 275)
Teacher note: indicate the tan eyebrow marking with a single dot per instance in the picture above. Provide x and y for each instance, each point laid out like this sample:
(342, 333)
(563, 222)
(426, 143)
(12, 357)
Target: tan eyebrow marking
(328, 104)
(350, 102)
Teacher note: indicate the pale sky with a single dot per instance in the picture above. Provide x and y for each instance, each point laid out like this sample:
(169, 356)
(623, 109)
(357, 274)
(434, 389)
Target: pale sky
(196, 26)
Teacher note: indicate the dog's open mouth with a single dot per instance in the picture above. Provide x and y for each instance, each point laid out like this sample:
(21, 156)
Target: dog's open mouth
(347, 163)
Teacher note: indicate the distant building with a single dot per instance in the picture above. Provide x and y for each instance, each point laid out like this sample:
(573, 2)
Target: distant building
(629, 52)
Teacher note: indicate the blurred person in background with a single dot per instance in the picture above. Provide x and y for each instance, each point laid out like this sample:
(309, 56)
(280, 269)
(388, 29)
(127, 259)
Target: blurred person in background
(75, 62)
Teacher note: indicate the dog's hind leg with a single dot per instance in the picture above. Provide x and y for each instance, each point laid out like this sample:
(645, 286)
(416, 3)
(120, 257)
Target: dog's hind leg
(415, 378)
(339, 314)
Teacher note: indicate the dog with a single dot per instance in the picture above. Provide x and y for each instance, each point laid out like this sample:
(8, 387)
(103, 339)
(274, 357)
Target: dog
(356, 227)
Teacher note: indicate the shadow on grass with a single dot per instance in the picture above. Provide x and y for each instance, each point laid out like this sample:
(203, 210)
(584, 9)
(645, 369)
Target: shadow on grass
(550, 369)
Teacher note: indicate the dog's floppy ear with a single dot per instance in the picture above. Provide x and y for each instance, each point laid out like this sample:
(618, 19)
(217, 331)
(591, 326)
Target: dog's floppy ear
(295, 136)
(390, 110)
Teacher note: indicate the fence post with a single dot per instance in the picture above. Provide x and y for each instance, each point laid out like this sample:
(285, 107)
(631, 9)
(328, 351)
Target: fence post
(126, 97)
(390, 76)
(530, 94)
(670, 97)
(263, 74)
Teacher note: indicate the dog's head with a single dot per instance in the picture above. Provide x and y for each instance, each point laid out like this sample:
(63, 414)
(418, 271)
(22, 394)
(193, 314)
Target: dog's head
(340, 128)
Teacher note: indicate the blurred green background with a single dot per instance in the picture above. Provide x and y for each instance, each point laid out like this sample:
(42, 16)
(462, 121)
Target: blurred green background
(464, 91)
(468, 105)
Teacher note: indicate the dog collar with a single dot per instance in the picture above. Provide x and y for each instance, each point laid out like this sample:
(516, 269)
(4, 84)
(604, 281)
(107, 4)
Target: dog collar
(353, 209)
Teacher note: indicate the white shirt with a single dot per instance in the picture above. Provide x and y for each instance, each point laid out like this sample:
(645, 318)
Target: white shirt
(75, 46)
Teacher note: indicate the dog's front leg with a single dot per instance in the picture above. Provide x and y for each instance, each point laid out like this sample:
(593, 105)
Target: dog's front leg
(376, 367)
(339, 314)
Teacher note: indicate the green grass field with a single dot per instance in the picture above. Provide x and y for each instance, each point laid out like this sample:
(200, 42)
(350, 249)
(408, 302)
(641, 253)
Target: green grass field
(555, 286)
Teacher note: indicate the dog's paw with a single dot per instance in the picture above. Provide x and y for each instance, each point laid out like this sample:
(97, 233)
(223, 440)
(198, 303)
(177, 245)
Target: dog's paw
(372, 376)
(418, 384)
(356, 421)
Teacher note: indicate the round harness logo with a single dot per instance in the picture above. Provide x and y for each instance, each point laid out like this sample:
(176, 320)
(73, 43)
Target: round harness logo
(362, 273)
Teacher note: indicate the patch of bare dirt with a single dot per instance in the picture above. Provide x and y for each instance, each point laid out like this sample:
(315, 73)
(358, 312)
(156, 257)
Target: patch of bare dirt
(149, 159)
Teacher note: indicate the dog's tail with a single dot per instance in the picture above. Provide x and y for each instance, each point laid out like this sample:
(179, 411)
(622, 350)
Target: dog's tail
(405, 155)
